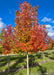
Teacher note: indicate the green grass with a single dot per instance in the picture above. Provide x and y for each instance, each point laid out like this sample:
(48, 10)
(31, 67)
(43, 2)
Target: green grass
(49, 66)
(17, 62)
(41, 69)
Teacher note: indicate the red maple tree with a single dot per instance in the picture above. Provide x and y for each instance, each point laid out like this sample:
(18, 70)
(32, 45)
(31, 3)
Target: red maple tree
(7, 38)
(30, 35)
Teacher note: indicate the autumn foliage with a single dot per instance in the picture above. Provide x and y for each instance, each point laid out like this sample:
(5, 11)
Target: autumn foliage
(6, 42)
(30, 35)
(27, 35)
(51, 43)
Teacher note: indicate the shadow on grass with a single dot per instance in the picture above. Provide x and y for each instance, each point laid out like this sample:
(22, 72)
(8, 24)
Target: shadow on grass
(3, 61)
(52, 56)
(15, 67)
(41, 69)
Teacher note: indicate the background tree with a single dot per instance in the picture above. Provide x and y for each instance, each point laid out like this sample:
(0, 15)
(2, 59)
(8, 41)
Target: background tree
(1, 38)
(1, 35)
(51, 43)
(6, 41)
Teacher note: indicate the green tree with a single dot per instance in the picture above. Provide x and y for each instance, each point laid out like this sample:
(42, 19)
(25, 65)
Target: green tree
(1, 35)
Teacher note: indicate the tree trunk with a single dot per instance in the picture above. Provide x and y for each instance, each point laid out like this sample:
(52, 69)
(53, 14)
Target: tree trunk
(27, 64)
(43, 57)
(0, 61)
(8, 64)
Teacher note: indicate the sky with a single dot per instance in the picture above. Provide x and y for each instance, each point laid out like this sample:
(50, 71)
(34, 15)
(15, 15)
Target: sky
(45, 13)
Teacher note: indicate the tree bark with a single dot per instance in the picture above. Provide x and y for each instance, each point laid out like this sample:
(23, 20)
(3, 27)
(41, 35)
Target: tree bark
(27, 64)
(8, 64)
(0, 61)
(43, 57)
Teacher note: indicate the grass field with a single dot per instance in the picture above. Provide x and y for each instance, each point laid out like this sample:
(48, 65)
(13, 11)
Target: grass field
(38, 64)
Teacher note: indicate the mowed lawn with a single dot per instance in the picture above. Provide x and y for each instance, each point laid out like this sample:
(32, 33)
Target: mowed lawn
(38, 64)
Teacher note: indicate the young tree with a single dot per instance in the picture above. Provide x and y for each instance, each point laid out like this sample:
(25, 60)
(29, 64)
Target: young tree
(1, 38)
(0, 52)
(30, 36)
(51, 43)
(6, 41)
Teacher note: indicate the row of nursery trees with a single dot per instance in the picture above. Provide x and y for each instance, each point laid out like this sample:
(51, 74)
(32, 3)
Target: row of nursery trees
(27, 36)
